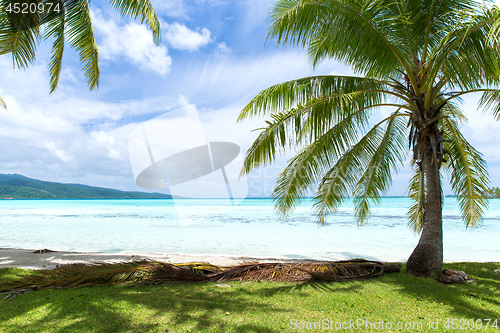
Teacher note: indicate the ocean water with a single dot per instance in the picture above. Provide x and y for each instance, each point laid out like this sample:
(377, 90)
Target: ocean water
(248, 229)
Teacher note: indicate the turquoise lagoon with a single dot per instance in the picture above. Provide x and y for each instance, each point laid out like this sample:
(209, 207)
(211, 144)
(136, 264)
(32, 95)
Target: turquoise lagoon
(249, 229)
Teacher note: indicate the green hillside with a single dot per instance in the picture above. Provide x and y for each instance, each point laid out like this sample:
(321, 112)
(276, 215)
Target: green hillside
(14, 186)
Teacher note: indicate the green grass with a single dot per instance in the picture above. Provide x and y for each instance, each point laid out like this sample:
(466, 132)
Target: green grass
(256, 306)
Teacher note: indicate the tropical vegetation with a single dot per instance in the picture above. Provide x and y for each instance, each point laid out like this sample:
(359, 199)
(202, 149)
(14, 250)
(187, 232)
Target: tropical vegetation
(413, 61)
(494, 192)
(24, 23)
(13, 186)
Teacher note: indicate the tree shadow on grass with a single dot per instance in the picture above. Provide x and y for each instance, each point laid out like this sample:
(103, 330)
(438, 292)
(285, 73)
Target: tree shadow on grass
(477, 300)
(234, 307)
(302, 288)
(174, 308)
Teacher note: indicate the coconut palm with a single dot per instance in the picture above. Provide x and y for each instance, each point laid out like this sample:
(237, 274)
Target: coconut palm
(414, 60)
(62, 21)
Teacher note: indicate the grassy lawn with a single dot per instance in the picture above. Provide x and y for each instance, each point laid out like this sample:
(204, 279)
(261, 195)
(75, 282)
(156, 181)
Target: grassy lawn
(261, 306)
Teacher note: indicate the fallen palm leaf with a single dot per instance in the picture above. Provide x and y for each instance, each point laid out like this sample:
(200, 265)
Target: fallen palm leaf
(151, 272)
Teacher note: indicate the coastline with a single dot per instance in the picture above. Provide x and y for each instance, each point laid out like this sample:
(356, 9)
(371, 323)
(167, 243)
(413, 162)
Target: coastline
(38, 259)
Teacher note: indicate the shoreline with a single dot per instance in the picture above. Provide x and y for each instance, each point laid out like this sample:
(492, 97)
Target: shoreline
(48, 259)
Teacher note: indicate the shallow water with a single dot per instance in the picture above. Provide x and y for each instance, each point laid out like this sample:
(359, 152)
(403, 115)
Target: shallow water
(248, 229)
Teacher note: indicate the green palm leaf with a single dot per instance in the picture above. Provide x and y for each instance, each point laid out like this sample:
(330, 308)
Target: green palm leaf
(81, 37)
(490, 103)
(344, 30)
(306, 168)
(303, 91)
(56, 28)
(388, 156)
(144, 10)
(321, 102)
(19, 34)
(337, 183)
(469, 176)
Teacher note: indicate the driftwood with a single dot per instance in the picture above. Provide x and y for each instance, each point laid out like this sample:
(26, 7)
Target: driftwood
(150, 272)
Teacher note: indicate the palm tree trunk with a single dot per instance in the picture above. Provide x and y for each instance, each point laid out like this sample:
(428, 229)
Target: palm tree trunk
(427, 257)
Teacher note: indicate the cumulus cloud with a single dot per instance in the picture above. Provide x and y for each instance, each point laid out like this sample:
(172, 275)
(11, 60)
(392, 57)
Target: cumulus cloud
(104, 139)
(132, 42)
(51, 147)
(182, 38)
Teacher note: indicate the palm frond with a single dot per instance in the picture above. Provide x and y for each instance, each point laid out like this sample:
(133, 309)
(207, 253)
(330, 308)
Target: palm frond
(430, 21)
(288, 95)
(84, 275)
(56, 28)
(81, 37)
(19, 36)
(273, 139)
(307, 166)
(2, 103)
(309, 122)
(359, 33)
(465, 57)
(144, 10)
(490, 103)
(386, 157)
(469, 176)
(149, 272)
(337, 182)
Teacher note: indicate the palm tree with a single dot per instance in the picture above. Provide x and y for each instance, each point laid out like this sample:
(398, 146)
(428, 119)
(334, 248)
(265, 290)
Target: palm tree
(61, 21)
(414, 59)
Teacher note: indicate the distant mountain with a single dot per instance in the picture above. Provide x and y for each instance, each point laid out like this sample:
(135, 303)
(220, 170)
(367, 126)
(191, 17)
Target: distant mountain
(14, 186)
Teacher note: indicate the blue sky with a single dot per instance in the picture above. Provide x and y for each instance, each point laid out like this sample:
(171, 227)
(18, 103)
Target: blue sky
(214, 56)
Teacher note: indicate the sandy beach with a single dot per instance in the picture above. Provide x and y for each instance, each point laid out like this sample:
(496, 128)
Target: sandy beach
(41, 259)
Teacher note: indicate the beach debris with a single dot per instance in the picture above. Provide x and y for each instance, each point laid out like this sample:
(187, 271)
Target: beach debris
(43, 251)
(457, 279)
(445, 279)
(451, 276)
(15, 292)
(151, 272)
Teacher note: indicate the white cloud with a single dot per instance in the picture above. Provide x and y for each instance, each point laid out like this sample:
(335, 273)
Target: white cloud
(103, 137)
(107, 141)
(222, 49)
(115, 154)
(43, 135)
(51, 147)
(133, 42)
(182, 38)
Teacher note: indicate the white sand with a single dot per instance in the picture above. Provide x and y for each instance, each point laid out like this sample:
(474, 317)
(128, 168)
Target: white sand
(28, 259)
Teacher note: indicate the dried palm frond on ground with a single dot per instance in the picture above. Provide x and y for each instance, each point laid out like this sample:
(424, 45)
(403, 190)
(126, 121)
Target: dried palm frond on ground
(151, 272)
